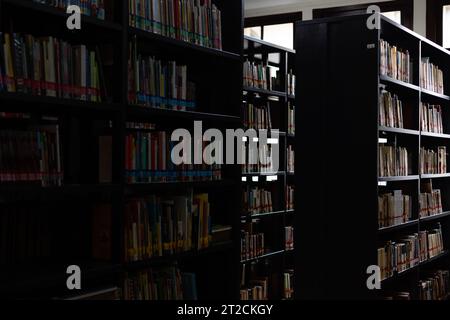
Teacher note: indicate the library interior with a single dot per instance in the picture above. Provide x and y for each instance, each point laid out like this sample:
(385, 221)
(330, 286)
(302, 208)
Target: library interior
(110, 190)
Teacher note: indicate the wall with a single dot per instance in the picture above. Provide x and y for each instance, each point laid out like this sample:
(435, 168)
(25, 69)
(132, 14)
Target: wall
(254, 8)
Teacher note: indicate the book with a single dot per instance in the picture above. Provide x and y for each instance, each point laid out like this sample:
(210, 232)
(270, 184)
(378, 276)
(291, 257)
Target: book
(290, 197)
(252, 241)
(394, 161)
(195, 21)
(288, 238)
(394, 208)
(254, 283)
(391, 110)
(290, 159)
(436, 286)
(47, 66)
(148, 160)
(409, 251)
(168, 283)
(257, 200)
(31, 155)
(430, 200)
(257, 116)
(431, 118)
(395, 62)
(288, 284)
(291, 83)
(261, 76)
(158, 226)
(433, 161)
(258, 160)
(291, 119)
(431, 77)
(159, 84)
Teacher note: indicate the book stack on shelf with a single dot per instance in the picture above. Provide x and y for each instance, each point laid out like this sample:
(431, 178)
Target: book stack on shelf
(109, 166)
(269, 85)
(160, 284)
(159, 84)
(194, 21)
(52, 67)
(399, 77)
(435, 287)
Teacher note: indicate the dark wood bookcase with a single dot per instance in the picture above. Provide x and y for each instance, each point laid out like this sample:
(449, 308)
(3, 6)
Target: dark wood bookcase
(219, 96)
(337, 176)
(276, 258)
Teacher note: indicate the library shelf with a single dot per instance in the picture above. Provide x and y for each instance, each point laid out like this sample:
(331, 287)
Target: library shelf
(290, 210)
(50, 11)
(398, 178)
(114, 37)
(263, 174)
(144, 112)
(183, 46)
(435, 135)
(264, 256)
(326, 41)
(261, 215)
(398, 226)
(264, 92)
(435, 176)
(389, 80)
(168, 259)
(399, 130)
(408, 271)
(436, 216)
(435, 94)
(291, 96)
(16, 102)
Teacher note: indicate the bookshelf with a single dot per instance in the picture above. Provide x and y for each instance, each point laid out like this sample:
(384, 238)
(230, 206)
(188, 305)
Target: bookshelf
(271, 267)
(88, 189)
(345, 91)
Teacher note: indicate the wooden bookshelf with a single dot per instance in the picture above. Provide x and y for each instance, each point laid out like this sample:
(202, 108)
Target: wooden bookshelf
(276, 260)
(219, 97)
(339, 87)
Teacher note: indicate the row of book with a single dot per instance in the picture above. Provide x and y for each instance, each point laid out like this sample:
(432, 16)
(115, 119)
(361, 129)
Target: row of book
(257, 200)
(31, 156)
(289, 238)
(394, 208)
(291, 119)
(92, 8)
(194, 21)
(395, 62)
(46, 66)
(391, 110)
(290, 153)
(160, 226)
(394, 161)
(399, 256)
(290, 197)
(159, 84)
(288, 284)
(431, 118)
(261, 76)
(431, 77)
(433, 161)
(430, 203)
(259, 161)
(252, 245)
(291, 83)
(148, 159)
(436, 286)
(160, 284)
(256, 290)
(257, 117)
